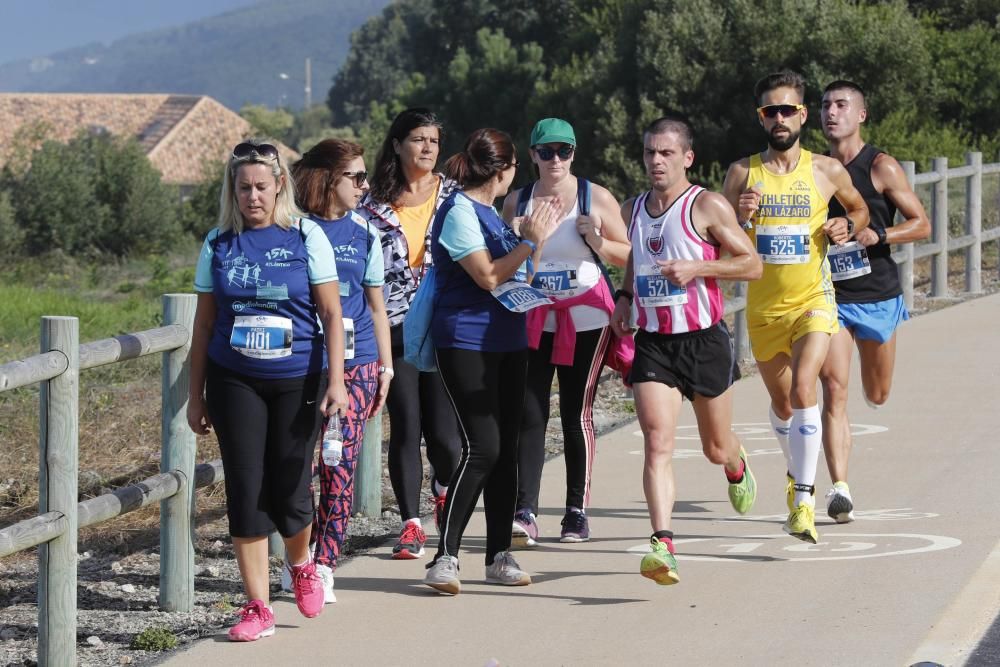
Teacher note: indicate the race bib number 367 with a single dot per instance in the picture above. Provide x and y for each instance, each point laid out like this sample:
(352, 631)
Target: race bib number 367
(262, 336)
(783, 244)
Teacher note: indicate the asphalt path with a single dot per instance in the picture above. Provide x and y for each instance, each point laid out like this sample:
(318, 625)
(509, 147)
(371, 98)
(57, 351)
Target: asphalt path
(916, 578)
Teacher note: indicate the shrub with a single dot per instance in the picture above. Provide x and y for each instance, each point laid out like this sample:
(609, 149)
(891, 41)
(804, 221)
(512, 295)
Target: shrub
(154, 639)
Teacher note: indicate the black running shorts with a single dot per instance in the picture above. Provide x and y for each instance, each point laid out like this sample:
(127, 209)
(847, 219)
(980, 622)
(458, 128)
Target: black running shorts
(698, 362)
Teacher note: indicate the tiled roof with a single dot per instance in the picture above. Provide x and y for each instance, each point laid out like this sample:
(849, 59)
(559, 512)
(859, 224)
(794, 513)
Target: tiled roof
(180, 133)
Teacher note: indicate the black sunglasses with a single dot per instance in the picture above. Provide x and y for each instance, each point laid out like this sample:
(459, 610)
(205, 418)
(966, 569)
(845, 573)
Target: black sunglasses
(359, 177)
(247, 149)
(546, 153)
(786, 110)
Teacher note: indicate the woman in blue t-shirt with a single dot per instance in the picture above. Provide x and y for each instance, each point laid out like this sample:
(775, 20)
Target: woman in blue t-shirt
(330, 180)
(481, 345)
(266, 280)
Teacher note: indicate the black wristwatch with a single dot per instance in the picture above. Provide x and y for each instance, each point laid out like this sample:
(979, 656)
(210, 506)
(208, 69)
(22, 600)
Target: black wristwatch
(623, 293)
(881, 234)
(850, 226)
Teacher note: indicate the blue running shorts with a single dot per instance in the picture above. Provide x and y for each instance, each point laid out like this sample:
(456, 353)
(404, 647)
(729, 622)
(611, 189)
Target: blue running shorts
(873, 321)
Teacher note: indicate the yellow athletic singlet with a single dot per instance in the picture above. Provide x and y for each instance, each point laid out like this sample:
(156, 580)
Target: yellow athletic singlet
(788, 234)
(415, 221)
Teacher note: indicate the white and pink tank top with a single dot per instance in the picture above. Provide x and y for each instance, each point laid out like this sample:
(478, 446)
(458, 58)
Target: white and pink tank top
(661, 306)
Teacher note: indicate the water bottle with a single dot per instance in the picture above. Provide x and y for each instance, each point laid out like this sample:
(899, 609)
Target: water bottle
(333, 441)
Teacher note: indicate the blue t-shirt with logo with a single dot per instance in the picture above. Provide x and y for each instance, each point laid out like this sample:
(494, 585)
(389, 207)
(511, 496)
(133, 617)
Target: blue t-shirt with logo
(265, 323)
(465, 315)
(358, 249)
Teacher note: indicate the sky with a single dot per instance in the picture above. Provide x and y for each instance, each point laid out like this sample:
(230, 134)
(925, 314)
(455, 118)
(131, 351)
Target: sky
(33, 28)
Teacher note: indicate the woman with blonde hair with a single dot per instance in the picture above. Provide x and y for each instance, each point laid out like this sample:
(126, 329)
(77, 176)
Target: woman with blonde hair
(266, 279)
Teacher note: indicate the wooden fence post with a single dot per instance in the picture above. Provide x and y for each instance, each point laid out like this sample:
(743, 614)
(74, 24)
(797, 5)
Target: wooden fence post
(368, 473)
(740, 324)
(178, 446)
(905, 267)
(974, 224)
(939, 231)
(59, 443)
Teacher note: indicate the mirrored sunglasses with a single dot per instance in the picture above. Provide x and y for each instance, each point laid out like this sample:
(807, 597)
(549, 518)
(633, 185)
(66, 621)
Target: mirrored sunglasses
(786, 110)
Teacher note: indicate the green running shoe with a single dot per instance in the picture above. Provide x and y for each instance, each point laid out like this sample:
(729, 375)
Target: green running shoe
(660, 565)
(743, 493)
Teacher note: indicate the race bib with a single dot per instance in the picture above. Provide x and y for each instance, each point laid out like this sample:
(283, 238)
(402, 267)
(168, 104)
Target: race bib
(556, 279)
(654, 290)
(348, 338)
(848, 261)
(783, 244)
(519, 297)
(262, 336)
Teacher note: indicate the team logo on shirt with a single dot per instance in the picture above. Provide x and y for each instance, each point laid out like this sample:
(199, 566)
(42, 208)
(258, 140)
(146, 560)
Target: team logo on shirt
(278, 254)
(800, 185)
(655, 244)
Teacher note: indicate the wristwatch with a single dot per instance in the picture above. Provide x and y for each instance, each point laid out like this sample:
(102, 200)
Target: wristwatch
(623, 293)
(881, 233)
(388, 370)
(850, 226)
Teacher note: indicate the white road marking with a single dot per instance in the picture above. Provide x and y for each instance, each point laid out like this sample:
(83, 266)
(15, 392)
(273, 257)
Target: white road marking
(841, 548)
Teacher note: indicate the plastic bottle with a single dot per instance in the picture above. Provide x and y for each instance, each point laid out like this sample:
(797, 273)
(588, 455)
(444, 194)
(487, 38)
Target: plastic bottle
(333, 441)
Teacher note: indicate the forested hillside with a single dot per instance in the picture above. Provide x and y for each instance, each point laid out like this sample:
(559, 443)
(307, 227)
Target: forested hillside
(235, 57)
(932, 70)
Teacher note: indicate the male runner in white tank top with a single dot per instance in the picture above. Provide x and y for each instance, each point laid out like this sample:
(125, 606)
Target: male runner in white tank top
(680, 233)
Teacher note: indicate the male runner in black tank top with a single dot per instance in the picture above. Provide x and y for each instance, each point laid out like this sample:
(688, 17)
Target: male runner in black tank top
(870, 305)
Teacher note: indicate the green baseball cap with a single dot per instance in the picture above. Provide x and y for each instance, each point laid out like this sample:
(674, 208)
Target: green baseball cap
(553, 131)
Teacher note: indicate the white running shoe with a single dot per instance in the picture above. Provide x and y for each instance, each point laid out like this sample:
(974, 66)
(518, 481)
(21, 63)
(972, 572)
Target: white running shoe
(506, 571)
(839, 505)
(325, 573)
(442, 575)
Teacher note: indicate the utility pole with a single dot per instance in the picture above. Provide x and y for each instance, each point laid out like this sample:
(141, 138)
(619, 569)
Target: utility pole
(309, 90)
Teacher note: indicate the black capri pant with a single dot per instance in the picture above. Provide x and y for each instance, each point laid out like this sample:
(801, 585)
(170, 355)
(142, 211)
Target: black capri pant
(267, 431)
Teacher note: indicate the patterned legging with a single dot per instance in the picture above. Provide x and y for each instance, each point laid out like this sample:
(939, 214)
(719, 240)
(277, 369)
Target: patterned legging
(336, 483)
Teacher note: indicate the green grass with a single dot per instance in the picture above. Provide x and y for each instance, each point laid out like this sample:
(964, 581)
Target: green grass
(110, 297)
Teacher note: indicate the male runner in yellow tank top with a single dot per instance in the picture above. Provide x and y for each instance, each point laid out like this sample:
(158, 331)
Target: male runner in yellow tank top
(780, 197)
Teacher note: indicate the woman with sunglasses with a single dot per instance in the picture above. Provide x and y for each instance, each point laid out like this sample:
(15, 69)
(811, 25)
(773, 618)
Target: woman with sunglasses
(266, 279)
(569, 339)
(330, 180)
(405, 194)
(481, 348)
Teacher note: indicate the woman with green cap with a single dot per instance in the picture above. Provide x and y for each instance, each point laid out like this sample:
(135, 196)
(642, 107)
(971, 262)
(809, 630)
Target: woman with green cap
(570, 338)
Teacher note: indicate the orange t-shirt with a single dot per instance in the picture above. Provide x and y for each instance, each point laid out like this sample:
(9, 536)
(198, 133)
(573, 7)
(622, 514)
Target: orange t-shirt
(415, 222)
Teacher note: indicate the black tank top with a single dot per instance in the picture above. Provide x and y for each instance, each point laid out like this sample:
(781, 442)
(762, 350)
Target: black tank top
(883, 282)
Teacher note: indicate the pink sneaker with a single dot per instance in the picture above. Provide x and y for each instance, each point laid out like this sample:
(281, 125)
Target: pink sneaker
(256, 621)
(308, 589)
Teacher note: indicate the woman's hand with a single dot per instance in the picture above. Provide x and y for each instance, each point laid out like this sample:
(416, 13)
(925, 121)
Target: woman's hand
(537, 226)
(197, 416)
(621, 318)
(384, 378)
(335, 400)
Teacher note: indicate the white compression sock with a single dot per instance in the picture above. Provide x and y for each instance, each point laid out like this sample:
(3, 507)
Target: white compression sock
(805, 440)
(780, 427)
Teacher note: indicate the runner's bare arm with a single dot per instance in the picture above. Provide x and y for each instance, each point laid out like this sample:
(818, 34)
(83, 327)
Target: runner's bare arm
(847, 195)
(744, 200)
(604, 228)
(890, 179)
(714, 219)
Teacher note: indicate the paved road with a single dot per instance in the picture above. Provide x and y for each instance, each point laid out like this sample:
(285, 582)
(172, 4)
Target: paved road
(915, 578)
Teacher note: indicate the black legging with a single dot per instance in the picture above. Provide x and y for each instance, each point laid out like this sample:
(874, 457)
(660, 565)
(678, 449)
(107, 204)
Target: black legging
(488, 392)
(418, 404)
(577, 388)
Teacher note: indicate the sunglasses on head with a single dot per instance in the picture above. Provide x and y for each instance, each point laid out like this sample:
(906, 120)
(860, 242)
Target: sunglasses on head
(546, 153)
(247, 149)
(359, 177)
(786, 110)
